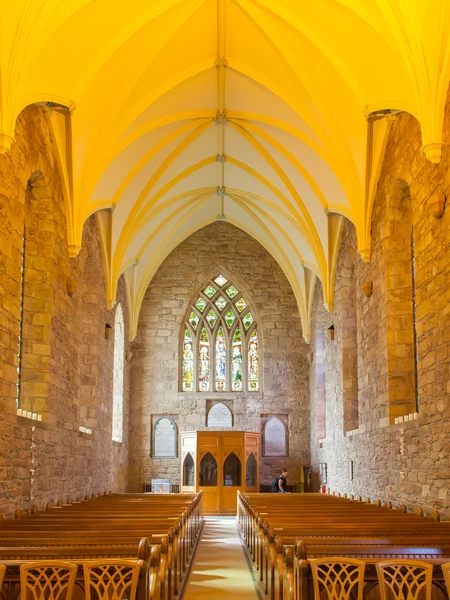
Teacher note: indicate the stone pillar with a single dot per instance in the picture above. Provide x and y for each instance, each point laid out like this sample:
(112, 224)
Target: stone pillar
(400, 365)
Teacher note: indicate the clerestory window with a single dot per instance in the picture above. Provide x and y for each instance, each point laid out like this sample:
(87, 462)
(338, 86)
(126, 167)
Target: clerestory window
(220, 344)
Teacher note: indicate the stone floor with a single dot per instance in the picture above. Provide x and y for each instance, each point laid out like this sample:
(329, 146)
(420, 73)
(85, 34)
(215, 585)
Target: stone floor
(220, 568)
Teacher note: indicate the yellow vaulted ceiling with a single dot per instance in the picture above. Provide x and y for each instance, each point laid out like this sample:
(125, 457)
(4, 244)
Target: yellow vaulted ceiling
(251, 110)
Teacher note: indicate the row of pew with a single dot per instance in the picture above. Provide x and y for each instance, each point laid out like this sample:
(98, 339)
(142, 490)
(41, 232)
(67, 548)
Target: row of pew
(157, 532)
(287, 535)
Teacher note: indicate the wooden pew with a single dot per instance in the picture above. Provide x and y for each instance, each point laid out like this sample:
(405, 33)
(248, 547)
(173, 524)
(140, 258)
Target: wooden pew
(160, 531)
(282, 531)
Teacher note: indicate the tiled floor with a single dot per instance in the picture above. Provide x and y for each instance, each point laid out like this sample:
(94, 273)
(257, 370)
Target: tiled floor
(220, 569)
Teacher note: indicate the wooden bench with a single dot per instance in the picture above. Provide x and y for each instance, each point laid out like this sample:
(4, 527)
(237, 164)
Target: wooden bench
(159, 531)
(283, 531)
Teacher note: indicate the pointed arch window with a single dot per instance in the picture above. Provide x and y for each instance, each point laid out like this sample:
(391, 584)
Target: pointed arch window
(220, 347)
(119, 352)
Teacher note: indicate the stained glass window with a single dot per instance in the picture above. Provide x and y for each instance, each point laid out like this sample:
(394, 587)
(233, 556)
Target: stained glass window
(221, 361)
(193, 320)
(211, 318)
(241, 304)
(253, 362)
(188, 363)
(229, 318)
(209, 291)
(201, 304)
(220, 345)
(232, 291)
(221, 302)
(248, 320)
(203, 362)
(236, 362)
(220, 280)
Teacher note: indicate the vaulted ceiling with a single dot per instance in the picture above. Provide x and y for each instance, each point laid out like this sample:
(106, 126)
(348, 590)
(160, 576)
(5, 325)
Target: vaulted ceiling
(260, 112)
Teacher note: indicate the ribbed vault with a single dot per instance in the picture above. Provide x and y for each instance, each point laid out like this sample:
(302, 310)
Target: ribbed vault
(256, 111)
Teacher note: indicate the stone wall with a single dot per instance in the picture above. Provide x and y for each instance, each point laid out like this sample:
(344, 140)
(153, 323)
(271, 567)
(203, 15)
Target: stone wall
(155, 365)
(66, 360)
(404, 462)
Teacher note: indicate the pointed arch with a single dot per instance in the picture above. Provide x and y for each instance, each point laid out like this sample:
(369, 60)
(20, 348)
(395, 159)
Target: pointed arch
(251, 468)
(208, 471)
(188, 470)
(232, 471)
(220, 348)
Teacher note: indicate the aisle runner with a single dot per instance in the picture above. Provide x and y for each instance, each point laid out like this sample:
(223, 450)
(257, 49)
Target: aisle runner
(220, 569)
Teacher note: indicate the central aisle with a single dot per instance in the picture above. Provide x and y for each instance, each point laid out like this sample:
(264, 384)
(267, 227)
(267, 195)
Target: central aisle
(220, 569)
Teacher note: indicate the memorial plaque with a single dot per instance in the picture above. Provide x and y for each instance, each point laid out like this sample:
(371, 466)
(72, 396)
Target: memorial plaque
(164, 444)
(220, 416)
(274, 438)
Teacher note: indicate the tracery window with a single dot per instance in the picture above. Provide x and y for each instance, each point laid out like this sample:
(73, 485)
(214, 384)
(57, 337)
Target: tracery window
(220, 343)
(119, 351)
